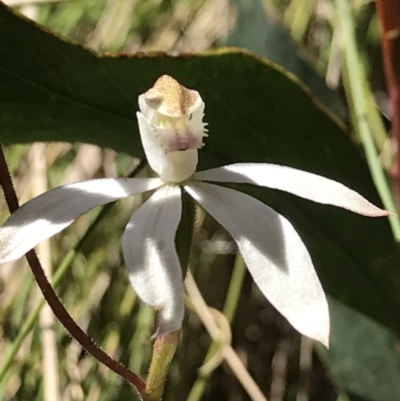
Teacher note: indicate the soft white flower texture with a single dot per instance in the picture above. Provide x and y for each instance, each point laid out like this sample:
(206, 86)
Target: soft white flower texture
(172, 129)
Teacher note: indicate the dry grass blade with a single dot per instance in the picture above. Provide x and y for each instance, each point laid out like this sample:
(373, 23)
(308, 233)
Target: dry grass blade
(38, 160)
(229, 354)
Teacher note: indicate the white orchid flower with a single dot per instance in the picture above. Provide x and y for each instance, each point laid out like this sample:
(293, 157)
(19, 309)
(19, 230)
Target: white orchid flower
(172, 130)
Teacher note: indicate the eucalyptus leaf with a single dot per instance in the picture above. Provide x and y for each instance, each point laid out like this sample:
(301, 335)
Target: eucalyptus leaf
(364, 356)
(257, 31)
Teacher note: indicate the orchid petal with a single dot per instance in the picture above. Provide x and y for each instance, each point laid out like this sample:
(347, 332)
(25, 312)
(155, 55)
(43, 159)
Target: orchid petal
(301, 183)
(274, 254)
(51, 212)
(151, 258)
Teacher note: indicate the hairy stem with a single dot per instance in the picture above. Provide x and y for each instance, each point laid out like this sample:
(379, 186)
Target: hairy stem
(163, 352)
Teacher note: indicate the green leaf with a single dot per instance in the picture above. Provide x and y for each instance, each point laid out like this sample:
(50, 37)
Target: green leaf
(364, 356)
(259, 32)
(52, 90)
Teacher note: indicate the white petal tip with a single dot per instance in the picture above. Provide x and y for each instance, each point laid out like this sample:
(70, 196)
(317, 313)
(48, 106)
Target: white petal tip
(320, 334)
(371, 210)
(322, 338)
(313, 321)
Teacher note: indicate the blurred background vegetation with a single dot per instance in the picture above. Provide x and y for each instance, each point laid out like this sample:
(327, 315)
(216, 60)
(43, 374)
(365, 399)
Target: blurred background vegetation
(302, 35)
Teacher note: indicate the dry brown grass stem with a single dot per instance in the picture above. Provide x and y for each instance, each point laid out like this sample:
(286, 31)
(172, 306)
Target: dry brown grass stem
(39, 185)
(229, 354)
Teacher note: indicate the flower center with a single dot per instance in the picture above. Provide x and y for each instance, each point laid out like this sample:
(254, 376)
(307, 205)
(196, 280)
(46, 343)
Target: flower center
(177, 133)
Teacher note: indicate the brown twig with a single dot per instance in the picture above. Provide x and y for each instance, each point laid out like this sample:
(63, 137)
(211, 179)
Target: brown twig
(52, 299)
(389, 15)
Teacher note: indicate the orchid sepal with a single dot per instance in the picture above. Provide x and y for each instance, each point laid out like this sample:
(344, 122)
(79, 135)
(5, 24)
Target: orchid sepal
(306, 185)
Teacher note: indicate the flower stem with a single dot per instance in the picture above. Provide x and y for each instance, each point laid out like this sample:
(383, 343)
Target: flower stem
(163, 352)
(52, 299)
